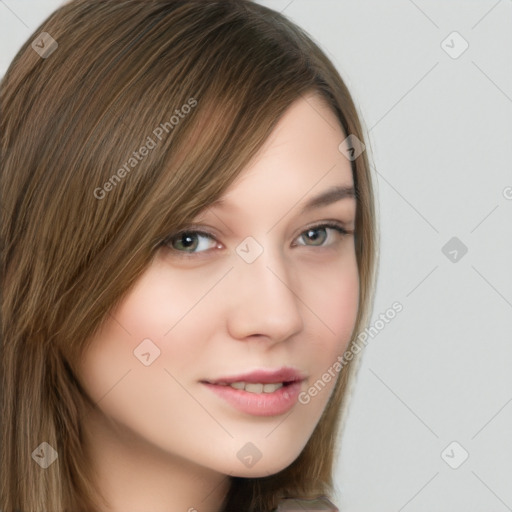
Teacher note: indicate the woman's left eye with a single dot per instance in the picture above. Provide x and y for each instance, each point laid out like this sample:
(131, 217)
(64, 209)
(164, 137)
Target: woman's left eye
(310, 233)
(189, 242)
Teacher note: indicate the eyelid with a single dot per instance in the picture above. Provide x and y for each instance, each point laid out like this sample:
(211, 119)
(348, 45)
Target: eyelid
(196, 228)
(333, 223)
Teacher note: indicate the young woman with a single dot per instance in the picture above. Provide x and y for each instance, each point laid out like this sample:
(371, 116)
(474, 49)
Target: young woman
(188, 237)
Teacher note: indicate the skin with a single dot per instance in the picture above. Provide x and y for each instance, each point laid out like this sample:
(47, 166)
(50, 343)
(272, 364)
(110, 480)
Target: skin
(160, 440)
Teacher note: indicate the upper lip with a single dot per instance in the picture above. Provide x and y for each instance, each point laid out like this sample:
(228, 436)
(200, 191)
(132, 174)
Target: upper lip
(263, 376)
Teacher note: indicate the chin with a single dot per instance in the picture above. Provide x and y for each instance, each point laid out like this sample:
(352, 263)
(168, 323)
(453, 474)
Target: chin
(266, 466)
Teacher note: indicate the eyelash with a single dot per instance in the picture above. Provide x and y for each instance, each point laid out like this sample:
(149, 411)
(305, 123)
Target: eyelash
(190, 231)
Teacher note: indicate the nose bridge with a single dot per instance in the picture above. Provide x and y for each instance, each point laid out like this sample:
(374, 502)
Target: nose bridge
(264, 300)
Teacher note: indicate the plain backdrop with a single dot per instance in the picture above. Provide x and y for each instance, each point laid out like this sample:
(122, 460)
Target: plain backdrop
(430, 420)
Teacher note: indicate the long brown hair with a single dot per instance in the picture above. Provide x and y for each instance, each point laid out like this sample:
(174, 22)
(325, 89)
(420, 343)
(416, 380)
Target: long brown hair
(212, 78)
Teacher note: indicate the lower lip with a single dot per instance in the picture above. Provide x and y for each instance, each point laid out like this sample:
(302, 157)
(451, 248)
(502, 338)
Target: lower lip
(259, 404)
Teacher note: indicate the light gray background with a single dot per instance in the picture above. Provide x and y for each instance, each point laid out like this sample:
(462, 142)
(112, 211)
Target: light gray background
(440, 140)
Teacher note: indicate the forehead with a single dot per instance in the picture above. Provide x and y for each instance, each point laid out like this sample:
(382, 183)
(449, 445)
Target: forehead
(299, 163)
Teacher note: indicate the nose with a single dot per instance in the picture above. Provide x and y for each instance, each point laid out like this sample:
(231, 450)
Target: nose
(263, 299)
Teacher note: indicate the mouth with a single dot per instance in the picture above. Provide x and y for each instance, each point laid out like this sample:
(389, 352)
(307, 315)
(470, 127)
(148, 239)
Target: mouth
(254, 387)
(261, 392)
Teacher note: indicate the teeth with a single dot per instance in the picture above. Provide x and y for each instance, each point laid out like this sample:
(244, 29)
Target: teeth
(257, 388)
(270, 388)
(254, 388)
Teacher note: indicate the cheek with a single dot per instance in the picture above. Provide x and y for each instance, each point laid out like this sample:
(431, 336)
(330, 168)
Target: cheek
(332, 295)
(153, 318)
(162, 301)
(163, 315)
(166, 307)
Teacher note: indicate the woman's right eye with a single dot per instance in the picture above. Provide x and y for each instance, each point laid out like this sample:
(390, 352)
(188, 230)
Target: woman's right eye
(190, 242)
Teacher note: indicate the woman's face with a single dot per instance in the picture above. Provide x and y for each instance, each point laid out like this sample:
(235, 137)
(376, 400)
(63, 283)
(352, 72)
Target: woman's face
(264, 292)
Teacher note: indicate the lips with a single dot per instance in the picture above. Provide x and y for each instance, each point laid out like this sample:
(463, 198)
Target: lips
(261, 392)
(284, 375)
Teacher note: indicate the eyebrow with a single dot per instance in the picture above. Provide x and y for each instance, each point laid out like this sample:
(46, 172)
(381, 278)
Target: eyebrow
(327, 197)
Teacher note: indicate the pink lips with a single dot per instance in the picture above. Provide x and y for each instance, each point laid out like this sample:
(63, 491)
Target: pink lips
(284, 374)
(260, 404)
